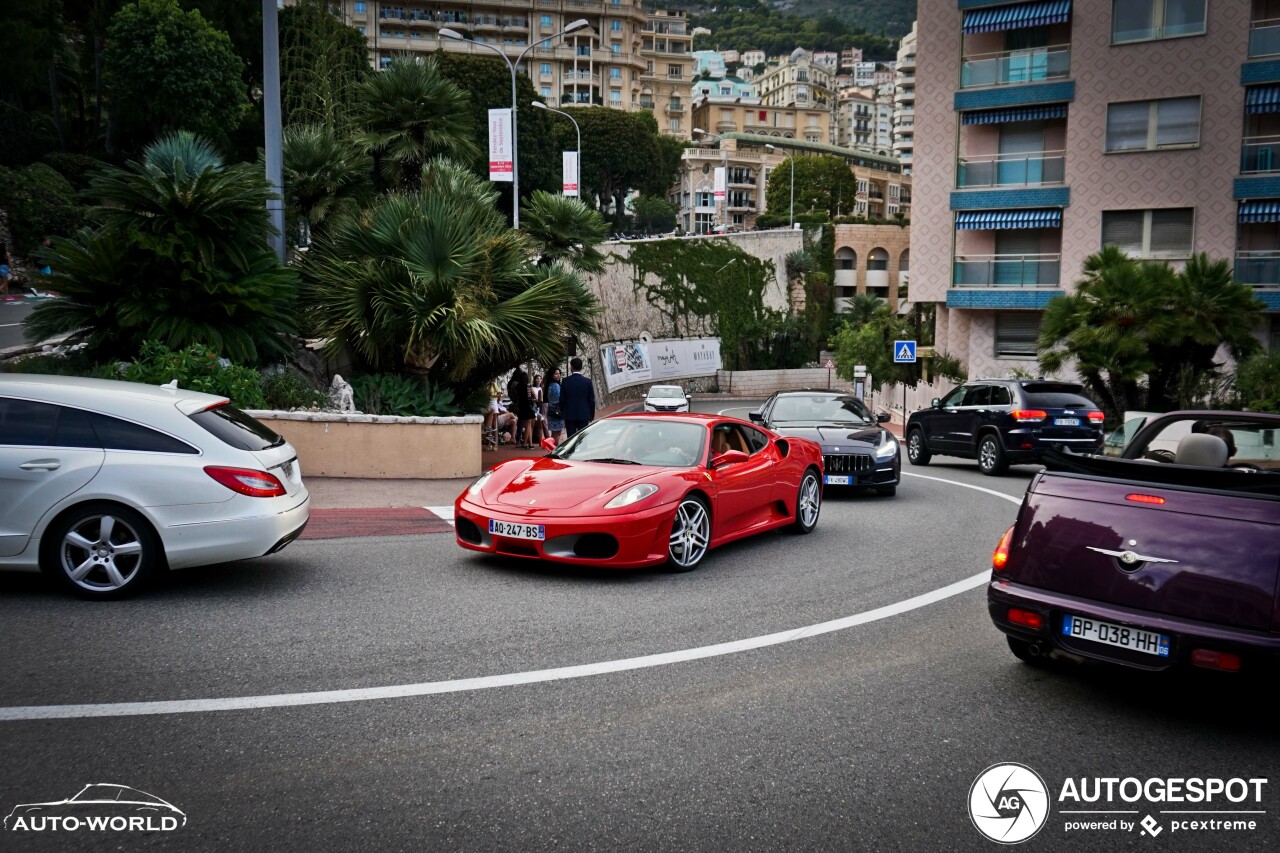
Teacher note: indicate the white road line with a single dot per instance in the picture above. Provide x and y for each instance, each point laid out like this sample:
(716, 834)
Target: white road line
(722, 412)
(435, 688)
(445, 513)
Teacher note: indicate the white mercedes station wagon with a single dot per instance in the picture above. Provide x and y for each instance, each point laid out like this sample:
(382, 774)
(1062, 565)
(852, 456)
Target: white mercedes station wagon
(103, 484)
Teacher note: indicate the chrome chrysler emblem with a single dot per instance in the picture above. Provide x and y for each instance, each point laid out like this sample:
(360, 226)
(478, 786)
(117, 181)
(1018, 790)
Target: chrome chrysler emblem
(1130, 558)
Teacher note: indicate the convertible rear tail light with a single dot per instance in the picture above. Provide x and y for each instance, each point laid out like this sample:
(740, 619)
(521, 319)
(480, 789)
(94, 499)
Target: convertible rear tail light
(1000, 559)
(1021, 415)
(1026, 618)
(1216, 660)
(246, 481)
(1154, 500)
(1096, 417)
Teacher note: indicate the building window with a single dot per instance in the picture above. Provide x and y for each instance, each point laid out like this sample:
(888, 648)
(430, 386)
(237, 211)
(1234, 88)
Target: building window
(1163, 233)
(546, 20)
(616, 46)
(615, 26)
(615, 96)
(1016, 334)
(1150, 125)
(1142, 20)
(675, 72)
(360, 8)
(674, 124)
(704, 199)
(545, 69)
(583, 49)
(702, 222)
(615, 73)
(363, 30)
(545, 91)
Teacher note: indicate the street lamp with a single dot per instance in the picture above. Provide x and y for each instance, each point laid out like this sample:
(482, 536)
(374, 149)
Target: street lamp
(515, 148)
(792, 158)
(577, 165)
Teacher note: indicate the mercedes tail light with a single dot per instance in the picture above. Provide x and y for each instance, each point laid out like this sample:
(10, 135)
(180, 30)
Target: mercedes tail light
(246, 481)
(1024, 415)
(1000, 559)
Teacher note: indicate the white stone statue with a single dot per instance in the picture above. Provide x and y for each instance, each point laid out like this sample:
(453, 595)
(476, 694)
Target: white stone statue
(341, 397)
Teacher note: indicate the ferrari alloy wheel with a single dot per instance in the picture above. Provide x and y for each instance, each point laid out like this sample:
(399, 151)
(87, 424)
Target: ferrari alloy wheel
(917, 450)
(102, 551)
(690, 535)
(808, 503)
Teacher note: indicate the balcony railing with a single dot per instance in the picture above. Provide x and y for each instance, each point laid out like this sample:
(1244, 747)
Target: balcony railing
(1259, 154)
(1003, 170)
(1006, 270)
(1011, 67)
(1264, 37)
(1258, 268)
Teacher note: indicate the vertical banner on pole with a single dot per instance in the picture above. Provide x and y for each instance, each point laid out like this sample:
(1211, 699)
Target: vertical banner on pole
(501, 167)
(721, 180)
(570, 169)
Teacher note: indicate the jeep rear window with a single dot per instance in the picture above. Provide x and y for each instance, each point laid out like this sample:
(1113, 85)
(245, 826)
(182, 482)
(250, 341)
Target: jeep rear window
(236, 428)
(1059, 400)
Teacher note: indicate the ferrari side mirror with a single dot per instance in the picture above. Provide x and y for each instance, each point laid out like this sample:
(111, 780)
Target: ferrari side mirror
(548, 444)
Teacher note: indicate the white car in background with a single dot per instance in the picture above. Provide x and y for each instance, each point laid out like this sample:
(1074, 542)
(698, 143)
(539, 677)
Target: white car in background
(103, 484)
(666, 398)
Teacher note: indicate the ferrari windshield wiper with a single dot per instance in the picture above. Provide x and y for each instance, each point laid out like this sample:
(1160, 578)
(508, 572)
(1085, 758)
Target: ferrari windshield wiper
(615, 460)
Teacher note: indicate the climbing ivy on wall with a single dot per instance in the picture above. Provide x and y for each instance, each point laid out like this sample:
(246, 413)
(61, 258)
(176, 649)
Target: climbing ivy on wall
(697, 284)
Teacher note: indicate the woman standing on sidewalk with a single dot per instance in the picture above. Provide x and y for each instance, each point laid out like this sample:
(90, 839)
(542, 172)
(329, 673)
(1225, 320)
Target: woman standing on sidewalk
(555, 419)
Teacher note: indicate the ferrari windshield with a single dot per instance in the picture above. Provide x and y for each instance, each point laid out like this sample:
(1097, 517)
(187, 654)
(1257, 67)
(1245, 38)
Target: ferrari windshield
(637, 441)
(820, 408)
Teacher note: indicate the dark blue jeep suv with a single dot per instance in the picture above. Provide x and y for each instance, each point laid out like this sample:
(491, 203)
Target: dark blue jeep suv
(1005, 421)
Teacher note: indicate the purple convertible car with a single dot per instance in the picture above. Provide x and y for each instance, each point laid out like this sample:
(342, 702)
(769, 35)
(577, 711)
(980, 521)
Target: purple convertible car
(1166, 556)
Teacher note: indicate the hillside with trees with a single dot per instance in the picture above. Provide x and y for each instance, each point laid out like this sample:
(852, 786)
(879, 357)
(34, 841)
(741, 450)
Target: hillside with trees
(778, 28)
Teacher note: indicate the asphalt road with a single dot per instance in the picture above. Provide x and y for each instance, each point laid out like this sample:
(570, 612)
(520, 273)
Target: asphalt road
(865, 738)
(12, 315)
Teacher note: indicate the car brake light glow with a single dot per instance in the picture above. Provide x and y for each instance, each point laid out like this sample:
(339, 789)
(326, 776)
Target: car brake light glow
(1028, 415)
(1026, 618)
(245, 481)
(1155, 500)
(1216, 660)
(1096, 417)
(1000, 558)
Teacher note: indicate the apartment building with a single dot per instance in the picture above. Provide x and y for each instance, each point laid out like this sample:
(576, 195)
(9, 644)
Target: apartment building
(904, 101)
(1051, 128)
(873, 260)
(629, 59)
(717, 114)
(797, 80)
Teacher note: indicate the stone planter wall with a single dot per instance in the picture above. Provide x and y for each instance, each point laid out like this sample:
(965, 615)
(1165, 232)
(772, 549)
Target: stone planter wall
(762, 383)
(380, 447)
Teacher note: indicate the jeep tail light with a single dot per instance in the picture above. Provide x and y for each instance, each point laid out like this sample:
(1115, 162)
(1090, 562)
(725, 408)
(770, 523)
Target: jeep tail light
(246, 481)
(1216, 660)
(1021, 415)
(1154, 500)
(1026, 618)
(1096, 417)
(1000, 558)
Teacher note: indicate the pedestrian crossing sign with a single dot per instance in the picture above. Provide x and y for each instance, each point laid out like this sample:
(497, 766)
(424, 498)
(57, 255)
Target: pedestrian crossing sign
(904, 352)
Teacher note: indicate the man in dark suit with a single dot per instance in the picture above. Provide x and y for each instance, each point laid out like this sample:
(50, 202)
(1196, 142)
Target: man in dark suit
(577, 399)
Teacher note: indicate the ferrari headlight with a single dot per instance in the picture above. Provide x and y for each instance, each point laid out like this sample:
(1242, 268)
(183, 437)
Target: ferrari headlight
(635, 493)
(885, 451)
(474, 489)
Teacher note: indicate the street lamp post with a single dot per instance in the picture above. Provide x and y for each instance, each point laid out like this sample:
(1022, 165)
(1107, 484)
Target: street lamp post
(792, 158)
(515, 146)
(577, 166)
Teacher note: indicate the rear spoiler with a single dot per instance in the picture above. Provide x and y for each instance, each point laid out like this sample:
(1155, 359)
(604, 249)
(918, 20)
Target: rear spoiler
(1163, 473)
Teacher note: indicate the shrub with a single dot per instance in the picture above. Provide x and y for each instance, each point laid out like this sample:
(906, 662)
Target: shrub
(1258, 382)
(403, 396)
(289, 389)
(70, 364)
(197, 368)
(78, 169)
(40, 203)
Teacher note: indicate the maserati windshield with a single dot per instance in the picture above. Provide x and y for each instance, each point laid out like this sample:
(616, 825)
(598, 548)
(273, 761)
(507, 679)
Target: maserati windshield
(820, 409)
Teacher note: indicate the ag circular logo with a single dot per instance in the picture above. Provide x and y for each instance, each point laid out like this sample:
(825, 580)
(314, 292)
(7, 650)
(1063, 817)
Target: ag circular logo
(1008, 803)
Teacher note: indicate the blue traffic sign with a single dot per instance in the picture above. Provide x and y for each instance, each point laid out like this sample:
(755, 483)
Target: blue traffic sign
(904, 352)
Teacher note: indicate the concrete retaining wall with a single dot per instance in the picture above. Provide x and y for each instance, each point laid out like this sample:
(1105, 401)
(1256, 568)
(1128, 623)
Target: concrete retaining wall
(762, 383)
(380, 447)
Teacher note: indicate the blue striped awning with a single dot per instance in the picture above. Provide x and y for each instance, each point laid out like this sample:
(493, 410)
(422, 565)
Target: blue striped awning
(1262, 210)
(1018, 16)
(1262, 99)
(1036, 112)
(988, 220)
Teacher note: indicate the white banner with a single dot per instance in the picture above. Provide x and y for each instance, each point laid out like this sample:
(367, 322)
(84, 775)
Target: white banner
(569, 159)
(659, 361)
(501, 167)
(721, 181)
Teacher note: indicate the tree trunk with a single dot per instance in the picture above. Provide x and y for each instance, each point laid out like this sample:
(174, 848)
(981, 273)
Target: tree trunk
(56, 102)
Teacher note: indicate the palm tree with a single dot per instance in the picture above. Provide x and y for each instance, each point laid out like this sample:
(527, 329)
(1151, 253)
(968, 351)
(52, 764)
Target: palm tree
(408, 114)
(323, 175)
(564, 230)
(181, 256)
(433, 282)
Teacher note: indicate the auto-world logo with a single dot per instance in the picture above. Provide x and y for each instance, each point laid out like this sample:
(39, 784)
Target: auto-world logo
(99, 807)
(1009, 803)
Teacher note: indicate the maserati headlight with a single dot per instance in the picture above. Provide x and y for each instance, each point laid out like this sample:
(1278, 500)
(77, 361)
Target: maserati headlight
(474, 489)
(885, 451)
(635, 493)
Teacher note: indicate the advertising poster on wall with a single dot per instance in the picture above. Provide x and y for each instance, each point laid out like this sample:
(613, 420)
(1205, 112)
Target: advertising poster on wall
(501, 164)
(659, 361)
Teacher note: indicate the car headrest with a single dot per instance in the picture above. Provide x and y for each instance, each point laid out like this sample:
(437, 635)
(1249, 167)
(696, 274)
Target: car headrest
(1202, 449)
